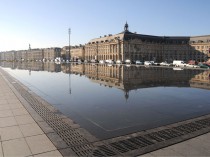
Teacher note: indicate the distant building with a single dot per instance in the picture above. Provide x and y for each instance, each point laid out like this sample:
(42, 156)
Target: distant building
(77, 52)
(31, 54)
(133, 46)
(8, 55)
(201, 45)
(35, 54)
(51, 53)
(65, 52)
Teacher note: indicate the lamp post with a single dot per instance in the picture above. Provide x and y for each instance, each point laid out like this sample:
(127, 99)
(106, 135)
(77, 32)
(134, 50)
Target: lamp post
(69, 44)
(69, 64)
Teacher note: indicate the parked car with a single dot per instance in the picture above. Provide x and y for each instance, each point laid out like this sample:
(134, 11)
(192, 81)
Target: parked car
(147, 63)
(196, 66)
(101, 61)
(118, 62)
(79, 61)
(154, 63)
(201, 65)
(207, 64)
(164, 64)
(139, 62)
(127, 61)
(94, 61)
(179, 63)
(109, 61)
(192, 66)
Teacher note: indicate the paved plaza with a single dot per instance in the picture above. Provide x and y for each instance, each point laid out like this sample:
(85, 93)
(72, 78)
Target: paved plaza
(20, 135)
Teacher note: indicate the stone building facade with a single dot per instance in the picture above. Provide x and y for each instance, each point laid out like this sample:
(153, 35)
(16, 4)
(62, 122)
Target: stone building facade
(35, 54)
(77, 52)
(8, 55)
(65, 52)
(22, 55)
(31, 54)
(201, 45)
(51, 53)
(133, 46)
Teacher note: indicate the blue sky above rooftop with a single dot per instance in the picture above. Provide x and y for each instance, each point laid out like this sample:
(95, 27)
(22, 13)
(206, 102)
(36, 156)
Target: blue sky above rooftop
(45, 23)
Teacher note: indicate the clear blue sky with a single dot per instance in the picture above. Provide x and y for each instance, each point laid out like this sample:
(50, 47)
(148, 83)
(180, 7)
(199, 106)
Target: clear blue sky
(45, 23)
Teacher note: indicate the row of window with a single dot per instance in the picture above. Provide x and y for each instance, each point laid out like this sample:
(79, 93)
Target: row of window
(202, 47)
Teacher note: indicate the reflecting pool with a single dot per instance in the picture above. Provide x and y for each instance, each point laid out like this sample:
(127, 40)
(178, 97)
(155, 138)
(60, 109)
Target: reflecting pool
(113, 100)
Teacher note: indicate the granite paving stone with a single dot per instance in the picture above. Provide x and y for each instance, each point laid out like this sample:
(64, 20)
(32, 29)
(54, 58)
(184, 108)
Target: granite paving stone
(13, 101)
(205, 137)
(17, 147)
(194, 143)
(4, 107)
(30, 129)
(39, 144)
(9, 133)
(24, 119)
(3, 102)
(192, 147)
(6, 113)
(2, 97)
(1, 152)
(15, 106)
(19, 111)
(186, 150)
(165, 152)
(49, 154)
(7, 121)
(146, 155)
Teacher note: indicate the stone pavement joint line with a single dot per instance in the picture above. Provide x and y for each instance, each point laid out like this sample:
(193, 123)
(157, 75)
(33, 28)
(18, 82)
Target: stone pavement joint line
(72, 140)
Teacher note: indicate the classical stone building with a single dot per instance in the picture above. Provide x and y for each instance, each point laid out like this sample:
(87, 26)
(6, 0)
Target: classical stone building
(8, 55)
(201, 46)
(51, 53)
(22, 55)
(65, 52)
(31, 54)
(35, 54)
(77, 52)
(133, 46)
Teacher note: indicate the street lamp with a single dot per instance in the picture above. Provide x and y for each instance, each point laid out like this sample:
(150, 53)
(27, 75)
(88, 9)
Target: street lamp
(69, 43)
(69, 64)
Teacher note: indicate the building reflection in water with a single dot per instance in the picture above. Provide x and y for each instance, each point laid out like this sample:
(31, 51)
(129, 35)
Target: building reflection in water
(129, 78)
(126, 78)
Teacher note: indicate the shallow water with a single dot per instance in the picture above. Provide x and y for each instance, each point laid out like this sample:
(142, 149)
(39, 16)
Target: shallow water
(114, 100)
